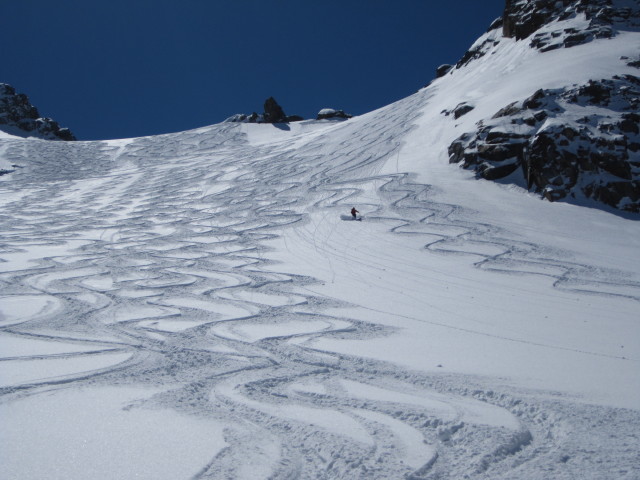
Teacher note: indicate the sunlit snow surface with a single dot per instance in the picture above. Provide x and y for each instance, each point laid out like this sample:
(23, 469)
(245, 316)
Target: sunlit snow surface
(193, 306)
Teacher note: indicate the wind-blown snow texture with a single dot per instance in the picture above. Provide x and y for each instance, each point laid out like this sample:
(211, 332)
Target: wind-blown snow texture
(193, 306)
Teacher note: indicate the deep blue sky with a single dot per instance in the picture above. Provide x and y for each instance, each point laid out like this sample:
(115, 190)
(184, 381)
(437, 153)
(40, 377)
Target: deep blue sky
(125, 68)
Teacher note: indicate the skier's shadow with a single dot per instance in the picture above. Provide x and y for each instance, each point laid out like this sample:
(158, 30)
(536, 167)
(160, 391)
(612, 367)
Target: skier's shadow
(282, 126)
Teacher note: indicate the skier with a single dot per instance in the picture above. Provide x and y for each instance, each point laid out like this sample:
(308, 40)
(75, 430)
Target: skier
(353, 212)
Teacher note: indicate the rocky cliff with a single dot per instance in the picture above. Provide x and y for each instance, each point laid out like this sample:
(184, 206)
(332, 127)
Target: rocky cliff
(542, 20)
(19, 117)
(582, 140)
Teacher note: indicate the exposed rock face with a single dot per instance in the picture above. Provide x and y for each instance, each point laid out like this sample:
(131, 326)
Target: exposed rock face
(460, 110)
(331, 114)
(578, 141)
(477, 51)
(541, 22)
(523, 18)
(273, 113)
(18, 116)
(557, 143)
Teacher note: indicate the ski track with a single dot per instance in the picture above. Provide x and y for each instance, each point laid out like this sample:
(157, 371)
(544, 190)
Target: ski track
(153, 272)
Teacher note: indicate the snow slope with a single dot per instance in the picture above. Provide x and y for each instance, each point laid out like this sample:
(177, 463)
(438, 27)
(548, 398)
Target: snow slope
(192, 305)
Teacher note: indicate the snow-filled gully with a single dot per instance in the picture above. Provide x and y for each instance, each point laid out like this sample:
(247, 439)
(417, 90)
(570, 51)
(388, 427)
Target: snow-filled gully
(154, 305)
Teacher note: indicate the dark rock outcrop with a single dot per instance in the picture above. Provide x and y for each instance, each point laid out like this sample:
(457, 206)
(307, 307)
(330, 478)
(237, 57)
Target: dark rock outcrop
(19, 117)
(523, 18)
(478, 50)
(460, 110)
(331, 114)
(578, 141)
(561, 145)
(273, 113)
(442, 70)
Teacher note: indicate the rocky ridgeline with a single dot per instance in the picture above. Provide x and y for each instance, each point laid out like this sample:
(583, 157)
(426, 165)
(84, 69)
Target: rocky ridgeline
(19, 117)
(603, 17)
(332, 114)
(273, 113)
(542, 22)
(554, 142)
(573, 142)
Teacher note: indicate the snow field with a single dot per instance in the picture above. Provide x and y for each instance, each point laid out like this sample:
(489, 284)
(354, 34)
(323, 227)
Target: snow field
(104, 433)
(192, 305)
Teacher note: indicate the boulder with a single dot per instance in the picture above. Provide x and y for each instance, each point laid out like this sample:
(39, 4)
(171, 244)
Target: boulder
(462, 109)
(442, 70)
(331, 114)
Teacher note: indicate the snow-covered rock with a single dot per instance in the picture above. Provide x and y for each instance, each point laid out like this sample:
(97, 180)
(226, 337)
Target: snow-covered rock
(331, 114)
(273, 113)
(563, 144)
(545, 20)
(442, 70)
(244, 118)
(579, 140)
(18, 117)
